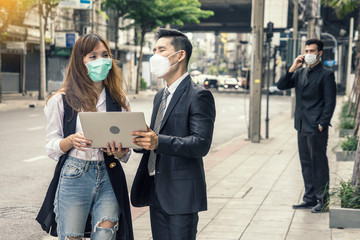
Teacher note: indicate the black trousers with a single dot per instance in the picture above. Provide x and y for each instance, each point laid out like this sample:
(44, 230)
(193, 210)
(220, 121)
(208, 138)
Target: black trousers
(171, 227)
(314, 165)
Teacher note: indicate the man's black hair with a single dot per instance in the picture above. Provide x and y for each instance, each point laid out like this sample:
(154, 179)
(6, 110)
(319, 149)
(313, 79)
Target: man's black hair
(180, 40)
(318, 42)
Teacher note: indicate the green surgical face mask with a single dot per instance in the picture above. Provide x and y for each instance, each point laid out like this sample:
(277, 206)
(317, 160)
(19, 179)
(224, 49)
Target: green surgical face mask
(99, 69)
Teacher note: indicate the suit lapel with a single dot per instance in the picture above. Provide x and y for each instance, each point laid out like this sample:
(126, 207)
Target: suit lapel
(175, 98)
(314, 76)
(157, 102)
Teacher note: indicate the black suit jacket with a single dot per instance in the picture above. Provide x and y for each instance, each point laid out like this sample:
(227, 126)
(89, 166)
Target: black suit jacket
(315, 97)
(184, 138)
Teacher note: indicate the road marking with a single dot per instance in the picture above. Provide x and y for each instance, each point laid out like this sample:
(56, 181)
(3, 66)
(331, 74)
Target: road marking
(35, 159)
(35, 128)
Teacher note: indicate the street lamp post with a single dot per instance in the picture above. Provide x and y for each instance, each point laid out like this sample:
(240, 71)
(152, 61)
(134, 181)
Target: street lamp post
(269, 35)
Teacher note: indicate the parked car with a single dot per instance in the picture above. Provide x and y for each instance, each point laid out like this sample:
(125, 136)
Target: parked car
(211, 83)
(231, 83)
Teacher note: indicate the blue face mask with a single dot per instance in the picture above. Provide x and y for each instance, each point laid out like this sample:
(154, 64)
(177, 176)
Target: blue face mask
(99, 69)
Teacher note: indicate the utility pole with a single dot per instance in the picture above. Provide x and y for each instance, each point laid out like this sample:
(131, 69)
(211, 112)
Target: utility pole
(269, 35)
(42, 87)
(257, 28)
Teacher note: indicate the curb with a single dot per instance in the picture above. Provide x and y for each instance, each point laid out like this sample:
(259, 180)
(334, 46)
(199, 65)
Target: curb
(18, 101)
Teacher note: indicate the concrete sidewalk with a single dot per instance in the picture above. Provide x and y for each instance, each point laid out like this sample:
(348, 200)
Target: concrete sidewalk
(252, 187)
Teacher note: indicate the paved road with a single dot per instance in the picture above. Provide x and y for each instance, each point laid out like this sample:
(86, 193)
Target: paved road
(25, 171)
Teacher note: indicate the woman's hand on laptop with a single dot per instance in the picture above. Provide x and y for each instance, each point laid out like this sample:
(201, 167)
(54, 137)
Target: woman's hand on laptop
(76, 140)
(118, 151)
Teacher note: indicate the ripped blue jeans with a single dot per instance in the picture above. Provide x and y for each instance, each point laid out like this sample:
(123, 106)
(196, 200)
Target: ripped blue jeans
(84, 188)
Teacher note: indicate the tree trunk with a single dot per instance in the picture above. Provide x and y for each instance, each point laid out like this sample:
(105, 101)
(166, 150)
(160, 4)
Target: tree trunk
(0, 77)
(356, 169)
(143, 32)
(42, 87)
(2, 29)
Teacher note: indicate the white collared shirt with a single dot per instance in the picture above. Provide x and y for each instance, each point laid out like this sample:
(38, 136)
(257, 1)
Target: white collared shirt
(173, 88)
(54, 112)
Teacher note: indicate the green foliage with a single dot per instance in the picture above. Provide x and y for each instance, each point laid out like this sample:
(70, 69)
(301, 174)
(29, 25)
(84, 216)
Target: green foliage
(151, 14)
(177, 12)
(222, 70)
(348, 194)
(102, 14)
(119, 6)
(115, 4)
(347, 123)
(213, 70)
(342, 7)
(349, 144)
(12, 11)
(345, 109)
(143, 84)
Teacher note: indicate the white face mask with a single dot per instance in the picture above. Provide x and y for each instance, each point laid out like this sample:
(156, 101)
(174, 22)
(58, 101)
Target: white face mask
(310, 59)
(160, 65)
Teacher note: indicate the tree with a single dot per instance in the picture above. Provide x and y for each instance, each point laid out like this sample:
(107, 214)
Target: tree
(120, 7)
(151, 14)
(10, 11)
(343, 7)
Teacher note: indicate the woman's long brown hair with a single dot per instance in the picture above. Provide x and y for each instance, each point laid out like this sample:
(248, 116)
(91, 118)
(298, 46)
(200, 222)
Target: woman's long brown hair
(79, 89)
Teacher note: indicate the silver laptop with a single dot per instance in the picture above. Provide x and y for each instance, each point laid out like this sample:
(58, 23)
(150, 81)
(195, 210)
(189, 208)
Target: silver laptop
(105, 127)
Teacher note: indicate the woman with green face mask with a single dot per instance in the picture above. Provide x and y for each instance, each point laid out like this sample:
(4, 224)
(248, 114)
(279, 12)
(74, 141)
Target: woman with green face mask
(88, 193)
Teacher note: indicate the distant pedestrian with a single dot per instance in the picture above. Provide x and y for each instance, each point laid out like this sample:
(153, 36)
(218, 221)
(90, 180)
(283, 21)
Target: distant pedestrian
(315, 103)
(88, 192)
(170, 178)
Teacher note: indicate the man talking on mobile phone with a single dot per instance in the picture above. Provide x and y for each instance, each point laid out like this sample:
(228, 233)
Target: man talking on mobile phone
(315, 89)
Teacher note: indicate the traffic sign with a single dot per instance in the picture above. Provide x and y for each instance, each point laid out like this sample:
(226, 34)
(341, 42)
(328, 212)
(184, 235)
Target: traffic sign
(330, 63)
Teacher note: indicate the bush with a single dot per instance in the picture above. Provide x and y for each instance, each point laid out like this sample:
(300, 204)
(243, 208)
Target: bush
(348, 194)
(345, 108)
(349, 144)
(347, 123)
(143, 85)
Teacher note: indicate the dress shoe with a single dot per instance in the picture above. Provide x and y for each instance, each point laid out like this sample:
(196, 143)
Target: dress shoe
(304, 205)
(318, 208)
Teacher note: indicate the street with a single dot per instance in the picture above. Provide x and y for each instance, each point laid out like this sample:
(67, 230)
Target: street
(26, 171)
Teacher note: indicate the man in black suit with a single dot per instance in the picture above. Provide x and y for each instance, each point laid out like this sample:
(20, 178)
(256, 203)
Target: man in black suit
(315, 103)
(170, 178)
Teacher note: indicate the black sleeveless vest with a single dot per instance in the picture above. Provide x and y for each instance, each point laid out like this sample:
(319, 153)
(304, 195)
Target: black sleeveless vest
(46, 215)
